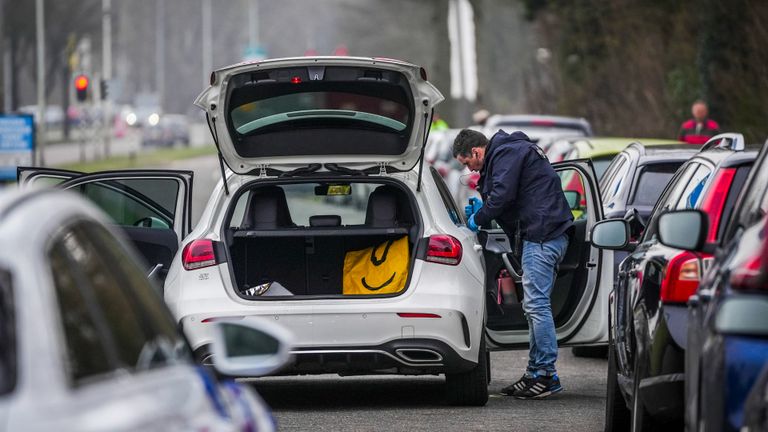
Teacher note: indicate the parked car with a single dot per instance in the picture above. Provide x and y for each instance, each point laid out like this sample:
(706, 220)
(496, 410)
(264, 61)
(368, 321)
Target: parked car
(648, 316)
(602, 150)
(86, 342)
(727, 336)
(170, 130)
(542, 129)
(276, 238)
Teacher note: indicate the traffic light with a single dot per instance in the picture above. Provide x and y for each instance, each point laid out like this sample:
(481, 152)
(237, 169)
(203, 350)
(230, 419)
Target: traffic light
(104, 88)
(81, 87)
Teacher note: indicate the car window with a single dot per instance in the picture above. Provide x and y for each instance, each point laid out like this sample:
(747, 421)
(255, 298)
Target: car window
(692, 195)
(8, 354)
(755, 202)
(651, 182)
(610, 172)
(573, 186)
(670, 197)
(135, 202)
(601, 164)
(613, 189)
(450, 205)
(303, 202)
(111, 316)
(86, 356)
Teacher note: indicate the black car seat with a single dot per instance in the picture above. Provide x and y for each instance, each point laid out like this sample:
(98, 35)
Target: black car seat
(267, 208)
(382, 210)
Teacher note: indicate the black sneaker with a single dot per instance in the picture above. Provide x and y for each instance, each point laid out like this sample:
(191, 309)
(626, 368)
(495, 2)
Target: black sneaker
(518, 385)
(540, 387)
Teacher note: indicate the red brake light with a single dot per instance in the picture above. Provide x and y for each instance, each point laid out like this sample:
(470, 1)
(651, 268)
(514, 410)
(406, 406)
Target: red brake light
(198, 254)
(715, 200)
(444, 249)
(295, 80)
(681, 278)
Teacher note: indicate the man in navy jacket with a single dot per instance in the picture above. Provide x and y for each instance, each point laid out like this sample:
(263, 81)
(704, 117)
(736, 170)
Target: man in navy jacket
(523, 193)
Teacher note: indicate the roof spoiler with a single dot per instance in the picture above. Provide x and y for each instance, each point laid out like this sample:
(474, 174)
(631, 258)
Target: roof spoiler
(730, 141)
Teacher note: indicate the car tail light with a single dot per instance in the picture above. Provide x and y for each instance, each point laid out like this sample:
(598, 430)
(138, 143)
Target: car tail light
(198, 254)
(752, 274)
(681, 279)
(444, 249)
(715, 200)
(473, 179)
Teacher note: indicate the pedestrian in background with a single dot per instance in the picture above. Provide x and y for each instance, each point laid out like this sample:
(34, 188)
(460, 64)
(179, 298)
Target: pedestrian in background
(700, 128)
(523, 193)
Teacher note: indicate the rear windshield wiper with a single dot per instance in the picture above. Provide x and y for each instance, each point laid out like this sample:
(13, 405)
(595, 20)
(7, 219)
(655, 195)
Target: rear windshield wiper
(344, 170)
(302, 170)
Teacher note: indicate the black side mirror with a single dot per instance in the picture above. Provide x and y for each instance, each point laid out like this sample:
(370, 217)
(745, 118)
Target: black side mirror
(684, 229)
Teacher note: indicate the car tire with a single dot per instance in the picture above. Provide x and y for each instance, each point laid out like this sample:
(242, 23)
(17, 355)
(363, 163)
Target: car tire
(617, 415)
(470, 388)
(590, 351)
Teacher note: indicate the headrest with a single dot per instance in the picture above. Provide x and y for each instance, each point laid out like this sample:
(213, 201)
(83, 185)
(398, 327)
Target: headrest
(267, 208)
(382, 207)
(325, 221)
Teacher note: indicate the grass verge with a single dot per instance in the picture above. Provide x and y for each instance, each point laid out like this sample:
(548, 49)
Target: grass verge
(141, 160)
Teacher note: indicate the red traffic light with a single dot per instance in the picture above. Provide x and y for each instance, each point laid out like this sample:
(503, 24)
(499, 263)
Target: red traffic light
(81, 82)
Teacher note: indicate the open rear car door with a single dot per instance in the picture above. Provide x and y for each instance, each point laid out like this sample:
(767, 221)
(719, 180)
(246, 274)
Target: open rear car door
(576, 297)
(152, 207)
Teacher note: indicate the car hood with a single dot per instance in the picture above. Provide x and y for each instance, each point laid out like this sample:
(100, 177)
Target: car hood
(287, 113)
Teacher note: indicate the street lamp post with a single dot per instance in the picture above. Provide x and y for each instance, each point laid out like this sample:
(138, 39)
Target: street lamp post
(106, 70)
(40, 35)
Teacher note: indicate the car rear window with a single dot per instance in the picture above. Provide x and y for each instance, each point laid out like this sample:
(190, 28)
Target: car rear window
(651, 183)
(320, 110)
(7, 335)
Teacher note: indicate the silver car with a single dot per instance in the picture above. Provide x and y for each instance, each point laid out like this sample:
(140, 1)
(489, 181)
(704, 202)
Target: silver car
(87, 344)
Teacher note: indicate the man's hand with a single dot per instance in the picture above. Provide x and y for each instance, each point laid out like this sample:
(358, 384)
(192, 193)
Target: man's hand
(472, 225)
(475, 204)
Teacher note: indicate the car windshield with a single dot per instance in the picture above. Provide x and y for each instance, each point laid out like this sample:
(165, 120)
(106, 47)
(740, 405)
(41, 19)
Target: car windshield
(7, 335)
(653, 179)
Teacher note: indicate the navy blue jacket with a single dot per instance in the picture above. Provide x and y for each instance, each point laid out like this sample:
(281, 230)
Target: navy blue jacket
(517, 183)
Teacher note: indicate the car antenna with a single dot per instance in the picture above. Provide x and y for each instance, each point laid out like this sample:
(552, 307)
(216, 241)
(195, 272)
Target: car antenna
(427, 121)
(212, 126)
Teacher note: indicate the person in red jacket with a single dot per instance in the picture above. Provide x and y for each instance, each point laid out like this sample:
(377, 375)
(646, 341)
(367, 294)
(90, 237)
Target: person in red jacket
(700, 128)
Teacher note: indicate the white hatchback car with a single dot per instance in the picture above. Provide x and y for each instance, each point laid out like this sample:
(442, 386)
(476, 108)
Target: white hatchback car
(304, 139)
(87, 344)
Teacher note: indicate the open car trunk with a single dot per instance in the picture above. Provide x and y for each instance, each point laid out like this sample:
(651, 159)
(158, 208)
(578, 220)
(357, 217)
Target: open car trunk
(300, 239)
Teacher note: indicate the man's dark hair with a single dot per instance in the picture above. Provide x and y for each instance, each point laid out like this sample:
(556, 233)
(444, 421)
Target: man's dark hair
(466, 140)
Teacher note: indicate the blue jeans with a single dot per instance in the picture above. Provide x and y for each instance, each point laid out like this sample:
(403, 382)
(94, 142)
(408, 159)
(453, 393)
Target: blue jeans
(540, 261)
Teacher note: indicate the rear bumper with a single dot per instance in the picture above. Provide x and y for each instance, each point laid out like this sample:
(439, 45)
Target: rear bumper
(402, 357)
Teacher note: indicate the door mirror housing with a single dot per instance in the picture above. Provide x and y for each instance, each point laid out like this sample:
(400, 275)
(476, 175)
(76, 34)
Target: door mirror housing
(684, 229)
(573, 198)
(249, 347)
(611, 234)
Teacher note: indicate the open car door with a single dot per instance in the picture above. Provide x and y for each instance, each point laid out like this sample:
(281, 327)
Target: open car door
(577, 297)
(152, 207)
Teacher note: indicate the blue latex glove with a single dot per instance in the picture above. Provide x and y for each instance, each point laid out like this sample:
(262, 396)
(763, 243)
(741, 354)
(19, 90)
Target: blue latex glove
(472, 225)
(475, 204)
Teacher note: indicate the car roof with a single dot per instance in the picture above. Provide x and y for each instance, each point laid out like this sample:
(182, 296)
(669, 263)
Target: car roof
(725, 158)
(592, 147)
(551, 120)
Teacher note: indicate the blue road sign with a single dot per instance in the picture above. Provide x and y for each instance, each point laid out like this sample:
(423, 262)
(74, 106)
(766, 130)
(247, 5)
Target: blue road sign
(17, 143)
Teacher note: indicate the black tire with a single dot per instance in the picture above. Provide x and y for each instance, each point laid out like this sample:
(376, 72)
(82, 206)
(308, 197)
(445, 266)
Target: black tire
(470, 388)
(590, 351)
(617, 415)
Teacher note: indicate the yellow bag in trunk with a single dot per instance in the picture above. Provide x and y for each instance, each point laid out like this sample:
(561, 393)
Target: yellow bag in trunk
(381, 269)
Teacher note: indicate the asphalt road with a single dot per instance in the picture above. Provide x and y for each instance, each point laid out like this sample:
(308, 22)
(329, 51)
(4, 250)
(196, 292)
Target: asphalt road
(333, 403)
